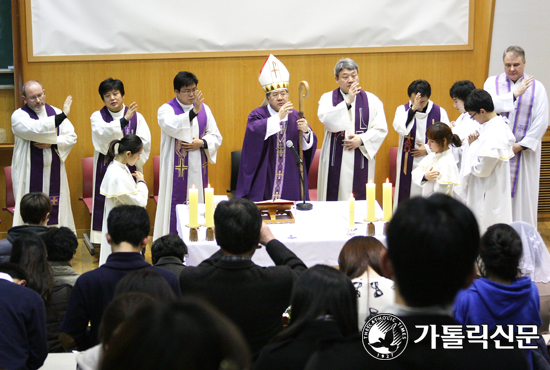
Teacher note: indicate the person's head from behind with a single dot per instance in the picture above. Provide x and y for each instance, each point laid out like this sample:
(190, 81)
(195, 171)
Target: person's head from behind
(440, 136)
(422, 88)
(238, 222)
(35, 208)
(16, 272)
(322, 291)
(459, 92)
(432, 242)
(170, 245)
(128, 225)
(148, 282)
(126, 150)
(29, 252)
(358, 254)
(499, 252)
(185, 87)
(479, 104)
(186, 334)
(61, 244)
(119, 310)
(112, 94)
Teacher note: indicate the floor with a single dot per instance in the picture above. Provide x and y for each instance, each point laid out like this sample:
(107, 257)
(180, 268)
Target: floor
(83, 261)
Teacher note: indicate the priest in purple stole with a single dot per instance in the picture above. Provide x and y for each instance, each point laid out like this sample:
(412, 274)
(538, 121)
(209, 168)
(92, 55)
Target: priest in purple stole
(523, 100)
(355, 128)
(189, 140)
(411, 122)
(114, 121)
(268, 167)
(44, 138)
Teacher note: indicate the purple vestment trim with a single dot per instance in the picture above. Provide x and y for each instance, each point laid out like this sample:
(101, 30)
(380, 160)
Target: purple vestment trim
(360, 165)
(524, 110)
(280, 162)
(37, 169)
(181, 165)
(407, 159)
(101, 168)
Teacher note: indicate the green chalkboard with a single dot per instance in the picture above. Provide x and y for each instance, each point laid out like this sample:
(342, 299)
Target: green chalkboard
(6, 42)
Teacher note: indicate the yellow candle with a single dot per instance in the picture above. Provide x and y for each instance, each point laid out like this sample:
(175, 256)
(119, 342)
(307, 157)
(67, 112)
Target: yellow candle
(387, 200)
(194, 207)
(209, 206)
(371, 197)
(351, 212)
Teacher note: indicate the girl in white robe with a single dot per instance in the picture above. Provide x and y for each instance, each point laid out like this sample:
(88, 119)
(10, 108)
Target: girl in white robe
(438, 172)
(118, 185)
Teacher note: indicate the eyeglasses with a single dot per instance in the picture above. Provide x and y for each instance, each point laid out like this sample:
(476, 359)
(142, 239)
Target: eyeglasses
(188, 91)
(276, 94)
(35, 98)
(473, 115)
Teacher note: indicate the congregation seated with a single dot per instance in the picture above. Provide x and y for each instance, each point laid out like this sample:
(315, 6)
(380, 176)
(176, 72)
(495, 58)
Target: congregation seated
(253, 297)
(35, 210)
(167, 252)
(61, 244)
(128, 230)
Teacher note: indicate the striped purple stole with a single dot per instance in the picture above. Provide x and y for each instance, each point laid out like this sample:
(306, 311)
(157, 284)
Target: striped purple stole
(361, 166)
(101, 168)
(37, 169)
(181, 166)
(406, 157)
(524, 110)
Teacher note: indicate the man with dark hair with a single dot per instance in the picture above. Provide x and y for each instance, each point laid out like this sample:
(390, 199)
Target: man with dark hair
(128, 233)
(61, 244)
(35, 210)
(167, 253)
(411, 122)
(523, 100)
(253, 297)
(432, 247)
(189, 139)
(485, 183)
(43, 139)
(114, 121)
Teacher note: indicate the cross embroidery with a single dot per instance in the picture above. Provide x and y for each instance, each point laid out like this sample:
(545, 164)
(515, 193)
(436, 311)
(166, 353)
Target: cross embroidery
(54, 200)
(181, 167)
(274, 70)
(407, 144)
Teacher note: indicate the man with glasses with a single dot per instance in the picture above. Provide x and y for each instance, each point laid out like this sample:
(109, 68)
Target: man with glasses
(189, 140)
(268, 168)
(44, 138)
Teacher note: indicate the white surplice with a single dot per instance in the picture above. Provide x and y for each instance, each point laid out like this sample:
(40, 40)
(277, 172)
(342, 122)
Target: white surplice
(119, 188)
(178, 127)
(526, 197)
(340, 118)
(42, 130)
(400, 125)
(463, 127)
(102, 135)
(485, 174)
(448, 178)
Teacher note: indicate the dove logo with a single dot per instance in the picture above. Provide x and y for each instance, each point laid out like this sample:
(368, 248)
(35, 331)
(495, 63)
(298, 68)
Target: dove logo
(385, 336)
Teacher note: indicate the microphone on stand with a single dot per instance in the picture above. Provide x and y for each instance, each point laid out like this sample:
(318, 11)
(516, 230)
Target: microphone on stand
(300, 206)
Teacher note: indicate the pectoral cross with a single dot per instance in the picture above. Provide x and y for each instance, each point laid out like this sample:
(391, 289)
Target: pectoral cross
(181, 167)
(407, 150)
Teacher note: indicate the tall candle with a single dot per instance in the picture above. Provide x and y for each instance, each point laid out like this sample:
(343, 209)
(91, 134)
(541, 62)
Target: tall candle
(371, 197)
(194, 207)
(387, 200)
(209, 206)
(351, 212)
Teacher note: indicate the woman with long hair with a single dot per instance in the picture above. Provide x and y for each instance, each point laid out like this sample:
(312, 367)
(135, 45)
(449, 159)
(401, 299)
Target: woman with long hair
(118, 185)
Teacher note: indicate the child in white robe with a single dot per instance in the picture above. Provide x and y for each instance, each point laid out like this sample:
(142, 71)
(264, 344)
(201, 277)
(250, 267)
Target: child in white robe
(437, 172)
(118, 185)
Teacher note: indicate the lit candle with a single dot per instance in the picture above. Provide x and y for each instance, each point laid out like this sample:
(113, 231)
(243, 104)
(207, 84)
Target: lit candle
(387, 201)
(371, 198)
(209, 206)
(351, 212)
(194, 207)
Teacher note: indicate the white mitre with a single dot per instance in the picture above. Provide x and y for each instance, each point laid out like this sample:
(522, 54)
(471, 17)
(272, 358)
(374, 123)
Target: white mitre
(273, 76)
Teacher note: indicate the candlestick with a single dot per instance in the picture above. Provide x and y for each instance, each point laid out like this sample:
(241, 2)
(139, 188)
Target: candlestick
(209, 206)
(193, 207)
(387, 200)
(351, 212)
(371, 198)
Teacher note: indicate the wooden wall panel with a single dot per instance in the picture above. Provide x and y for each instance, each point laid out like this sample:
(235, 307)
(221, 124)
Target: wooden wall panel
(231, 89)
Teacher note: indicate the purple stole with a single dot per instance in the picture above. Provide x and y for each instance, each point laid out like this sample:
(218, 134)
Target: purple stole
(361, 166)
(101, 168)
(37, 169)
(524, 109)
(406, 158)
(181, 165)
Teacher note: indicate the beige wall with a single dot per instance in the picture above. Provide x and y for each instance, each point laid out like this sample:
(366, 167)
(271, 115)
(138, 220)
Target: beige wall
(231, 89)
